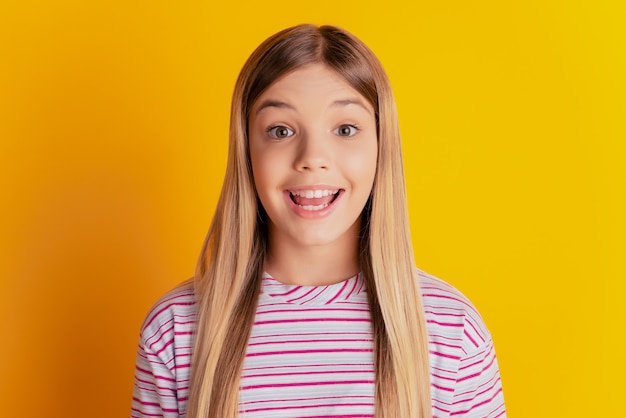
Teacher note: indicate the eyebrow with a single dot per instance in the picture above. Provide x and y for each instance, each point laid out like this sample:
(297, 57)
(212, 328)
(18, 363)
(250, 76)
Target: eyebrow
(273, 103)
(337, 103)
(346, 102)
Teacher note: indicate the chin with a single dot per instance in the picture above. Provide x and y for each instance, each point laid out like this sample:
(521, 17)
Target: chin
(321, 237)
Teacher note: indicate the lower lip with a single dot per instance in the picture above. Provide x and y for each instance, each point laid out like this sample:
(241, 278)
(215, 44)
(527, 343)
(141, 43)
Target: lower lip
(313, 214)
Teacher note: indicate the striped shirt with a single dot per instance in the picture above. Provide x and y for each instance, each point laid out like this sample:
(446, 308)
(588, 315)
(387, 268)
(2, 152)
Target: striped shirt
(310, 354)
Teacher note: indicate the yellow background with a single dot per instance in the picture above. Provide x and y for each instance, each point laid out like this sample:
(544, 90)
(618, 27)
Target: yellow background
(113, 125)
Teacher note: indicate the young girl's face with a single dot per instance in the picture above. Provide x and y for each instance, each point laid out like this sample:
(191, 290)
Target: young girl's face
(313, 148)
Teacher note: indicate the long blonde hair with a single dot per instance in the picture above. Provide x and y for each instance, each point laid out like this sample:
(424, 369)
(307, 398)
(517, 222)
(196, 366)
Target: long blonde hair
(228, 271)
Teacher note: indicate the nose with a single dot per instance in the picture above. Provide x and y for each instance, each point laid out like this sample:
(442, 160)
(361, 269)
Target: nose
(313, 154)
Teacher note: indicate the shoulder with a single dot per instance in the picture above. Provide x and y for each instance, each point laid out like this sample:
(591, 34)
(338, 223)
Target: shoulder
(450, 315)
(465, 377)
(162, 365)
(174, 314)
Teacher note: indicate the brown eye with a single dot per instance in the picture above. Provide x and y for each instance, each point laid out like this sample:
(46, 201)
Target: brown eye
(279, 132)
(346, 130)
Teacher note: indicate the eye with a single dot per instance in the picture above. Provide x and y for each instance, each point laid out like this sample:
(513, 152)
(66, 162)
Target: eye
(279, 132)
(346, 130)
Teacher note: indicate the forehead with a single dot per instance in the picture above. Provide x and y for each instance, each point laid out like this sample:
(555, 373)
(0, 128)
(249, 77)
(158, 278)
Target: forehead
(312, 85)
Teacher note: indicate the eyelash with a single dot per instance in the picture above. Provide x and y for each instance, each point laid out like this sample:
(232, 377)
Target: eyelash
(354, 128)
(271, 131)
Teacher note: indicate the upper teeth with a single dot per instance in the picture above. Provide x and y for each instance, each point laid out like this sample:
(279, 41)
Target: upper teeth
(309, 194)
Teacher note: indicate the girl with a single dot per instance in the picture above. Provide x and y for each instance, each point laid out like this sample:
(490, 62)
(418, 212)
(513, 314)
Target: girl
(305, 300)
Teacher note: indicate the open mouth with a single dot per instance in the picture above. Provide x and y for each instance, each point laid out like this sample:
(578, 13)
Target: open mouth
(314, 199)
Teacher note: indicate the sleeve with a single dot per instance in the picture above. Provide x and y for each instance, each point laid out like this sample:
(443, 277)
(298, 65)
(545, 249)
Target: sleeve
(478, 389)
(155, 391)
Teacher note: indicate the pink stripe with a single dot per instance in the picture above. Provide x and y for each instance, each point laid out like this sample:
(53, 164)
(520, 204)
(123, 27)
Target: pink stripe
(315, 406)
(456, 299)
(438, 376)
(149, 373)
(493, 384)
(351, 303)
(343, 415)
(433, 337)
(165, 392)
(501, 413)
(437, 407)
(458, 347)
(318, 309)
(431, 312)
(182, 366)
(339, 350)
(301, 296)
(310, 334)
(356, 282)
(297, 366)
(339, 293)
(286, 321)
(250, 376)
(486, 401)
(444, 388)
(153, 404)
(311, 341)
(487, 367)
(312, 398)
(311, 298)
(156, 314)
(285, 385)
(143, 413)
(478, 359)
(478, 334)
(286, 293)
(470, 338)
(439, 369)
(437, 353)
(160, 333)
(443, 324)
(167, 344)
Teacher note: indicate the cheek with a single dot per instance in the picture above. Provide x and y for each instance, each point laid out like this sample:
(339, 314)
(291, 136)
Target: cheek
(264, 172)
(259, 174)
(362, 167)
(256, 161)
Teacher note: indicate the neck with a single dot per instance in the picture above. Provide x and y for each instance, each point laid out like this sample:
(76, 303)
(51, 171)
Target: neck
(313, 265)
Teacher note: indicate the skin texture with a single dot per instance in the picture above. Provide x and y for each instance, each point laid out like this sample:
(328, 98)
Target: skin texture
(310, 130)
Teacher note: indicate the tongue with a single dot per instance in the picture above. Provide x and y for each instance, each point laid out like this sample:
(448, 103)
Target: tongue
(313, 201)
